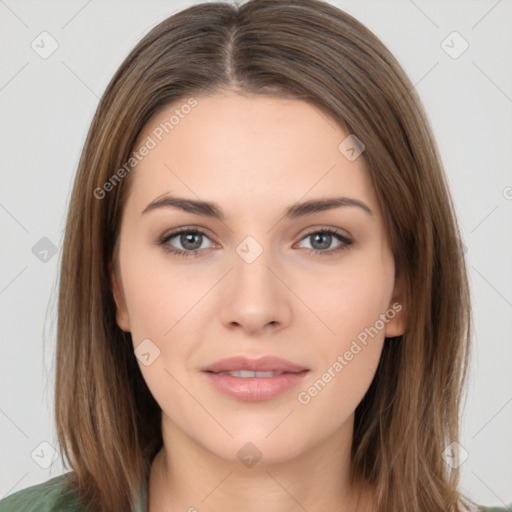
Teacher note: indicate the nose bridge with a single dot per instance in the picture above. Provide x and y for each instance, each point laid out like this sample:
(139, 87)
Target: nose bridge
(255, 296)
(251, 274)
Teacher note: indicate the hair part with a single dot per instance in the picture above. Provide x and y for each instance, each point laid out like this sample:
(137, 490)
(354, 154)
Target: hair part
(108, 423)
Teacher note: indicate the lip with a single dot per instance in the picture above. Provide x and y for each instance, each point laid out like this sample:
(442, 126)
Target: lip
(254, 389)
(261, 364)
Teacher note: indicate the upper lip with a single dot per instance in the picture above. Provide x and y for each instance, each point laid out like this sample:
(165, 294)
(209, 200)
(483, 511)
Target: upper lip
(262, 364)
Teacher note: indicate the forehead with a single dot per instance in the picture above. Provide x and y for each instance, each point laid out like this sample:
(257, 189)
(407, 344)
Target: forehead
(242, 149)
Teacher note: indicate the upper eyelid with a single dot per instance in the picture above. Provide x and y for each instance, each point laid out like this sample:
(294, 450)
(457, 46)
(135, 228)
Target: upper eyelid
(185, 229)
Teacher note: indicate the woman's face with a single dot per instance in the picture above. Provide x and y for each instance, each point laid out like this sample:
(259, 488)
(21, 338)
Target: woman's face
(258, 281)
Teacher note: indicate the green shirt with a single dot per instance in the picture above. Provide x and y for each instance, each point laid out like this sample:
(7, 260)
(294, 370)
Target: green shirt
(55, 495)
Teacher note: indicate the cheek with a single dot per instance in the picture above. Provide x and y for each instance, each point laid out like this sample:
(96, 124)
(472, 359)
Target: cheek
(345, 362)
(352, 299)
(350, 338)
(164, 307)
(157, 294)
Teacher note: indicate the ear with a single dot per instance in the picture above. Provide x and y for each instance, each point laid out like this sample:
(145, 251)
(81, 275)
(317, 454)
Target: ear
(397, 310)
(122, 317)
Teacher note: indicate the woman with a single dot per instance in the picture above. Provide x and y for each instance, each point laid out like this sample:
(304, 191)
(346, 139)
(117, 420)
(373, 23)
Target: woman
(262, 298)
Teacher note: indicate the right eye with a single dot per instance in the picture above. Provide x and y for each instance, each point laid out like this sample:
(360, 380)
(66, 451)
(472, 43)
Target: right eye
(191, 240)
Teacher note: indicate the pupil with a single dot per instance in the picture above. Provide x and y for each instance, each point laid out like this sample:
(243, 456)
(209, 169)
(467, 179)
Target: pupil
(185, 239)
(326, 237)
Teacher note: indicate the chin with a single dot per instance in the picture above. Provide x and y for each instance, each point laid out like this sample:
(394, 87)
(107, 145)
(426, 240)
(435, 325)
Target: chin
(253, 451)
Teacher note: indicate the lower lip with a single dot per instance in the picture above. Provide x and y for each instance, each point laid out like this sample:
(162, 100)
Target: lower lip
(255, 389)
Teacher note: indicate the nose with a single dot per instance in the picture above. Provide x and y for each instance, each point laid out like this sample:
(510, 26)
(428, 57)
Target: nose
(256, 297)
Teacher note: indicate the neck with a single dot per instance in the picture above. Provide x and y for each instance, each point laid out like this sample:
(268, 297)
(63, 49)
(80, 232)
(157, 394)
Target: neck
(187, 477)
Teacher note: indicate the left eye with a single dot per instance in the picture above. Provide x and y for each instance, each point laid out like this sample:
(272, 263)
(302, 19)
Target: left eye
(323, 238)
(192, 242)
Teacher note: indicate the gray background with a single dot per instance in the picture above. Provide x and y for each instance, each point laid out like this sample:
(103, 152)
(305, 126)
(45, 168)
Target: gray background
(46, 106)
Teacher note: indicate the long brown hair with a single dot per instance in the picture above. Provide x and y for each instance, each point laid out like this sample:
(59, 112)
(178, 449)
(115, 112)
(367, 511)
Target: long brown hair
(108, 423)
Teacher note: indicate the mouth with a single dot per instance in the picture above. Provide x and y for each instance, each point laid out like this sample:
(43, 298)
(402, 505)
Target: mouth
(248, 374)
(254, 380)
(262, 364)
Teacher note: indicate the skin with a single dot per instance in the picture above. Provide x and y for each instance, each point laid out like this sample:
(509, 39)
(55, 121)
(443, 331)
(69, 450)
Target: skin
(254, 156)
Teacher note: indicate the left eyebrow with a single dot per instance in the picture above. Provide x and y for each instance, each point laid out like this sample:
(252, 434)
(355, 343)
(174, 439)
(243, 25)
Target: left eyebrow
(320, 205)
(210, 209)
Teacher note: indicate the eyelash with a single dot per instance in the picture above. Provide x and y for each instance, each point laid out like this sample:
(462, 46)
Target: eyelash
(345, 242)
